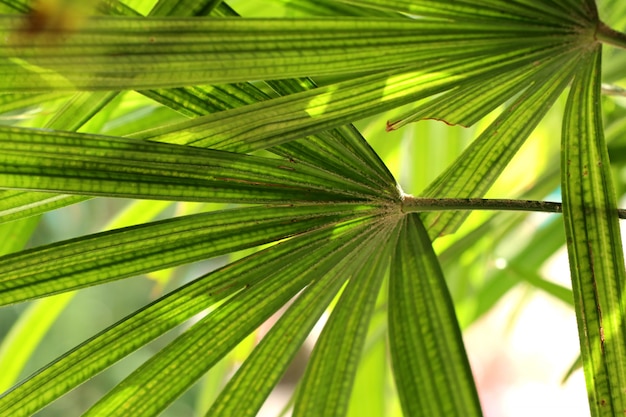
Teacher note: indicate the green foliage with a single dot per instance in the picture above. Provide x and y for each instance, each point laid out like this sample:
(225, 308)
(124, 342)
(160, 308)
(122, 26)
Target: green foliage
(172, 101)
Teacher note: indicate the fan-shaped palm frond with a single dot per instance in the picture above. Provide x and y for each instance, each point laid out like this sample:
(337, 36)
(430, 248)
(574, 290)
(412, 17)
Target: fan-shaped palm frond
(254, 114)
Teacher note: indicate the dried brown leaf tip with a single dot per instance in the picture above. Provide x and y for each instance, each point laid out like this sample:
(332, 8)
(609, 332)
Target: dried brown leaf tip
(391, 126)
(50, 21)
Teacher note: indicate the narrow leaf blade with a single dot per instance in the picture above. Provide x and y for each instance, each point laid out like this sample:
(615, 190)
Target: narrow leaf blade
(473, 173)
(121, 253)
(327, 384)
(143, 326)
(594, 243)
(165, 376)
(429, 361)
(247, 390)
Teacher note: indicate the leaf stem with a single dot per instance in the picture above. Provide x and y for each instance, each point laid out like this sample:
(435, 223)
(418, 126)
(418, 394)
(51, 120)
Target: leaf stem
(412, 204)
(610, 36)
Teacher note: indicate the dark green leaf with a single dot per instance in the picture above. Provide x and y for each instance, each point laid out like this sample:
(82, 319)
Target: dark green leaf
(327, 384)
(480, 165)
(594, 243)
(135, 52)
(248, 389)
(102, 165)
(429, 362)
(145, 325)
(130, 251)
(170, 372)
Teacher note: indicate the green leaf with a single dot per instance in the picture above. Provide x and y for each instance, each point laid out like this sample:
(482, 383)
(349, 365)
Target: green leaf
(25, 334)
(20, 101)
(122, 253)
(536, 280)
(325, 203)
(79, 109)
(594, 243)
(15, 5)
(184, 7)
(282, 119)
(578, 364)
(341, 149)
(112, 344)
(325, 8)
(429, 362)
(471, 101)
(113, 53)
(338, 150)
(327, 384)
(370, 394)
(160, 380)
(32, 325)
(248, 389)
(533, 10)
(104, 165)
(473, 173)
(15, 235)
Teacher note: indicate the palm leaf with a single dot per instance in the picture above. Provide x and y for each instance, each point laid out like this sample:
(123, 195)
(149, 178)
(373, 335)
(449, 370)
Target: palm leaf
(594, 242)
(91, 165)
(213, 336)
(476, 171)
(112, 344)
(325, 388)
(257, 111)
(431, 370)
(274, 353)
(114, 52)
(122, 253)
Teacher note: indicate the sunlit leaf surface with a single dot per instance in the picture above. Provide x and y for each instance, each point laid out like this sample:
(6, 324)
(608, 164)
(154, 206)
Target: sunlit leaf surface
(258, 201)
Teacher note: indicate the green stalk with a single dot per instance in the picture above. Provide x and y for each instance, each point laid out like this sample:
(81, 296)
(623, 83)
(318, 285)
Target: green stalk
(609, 36)
(412, 204)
